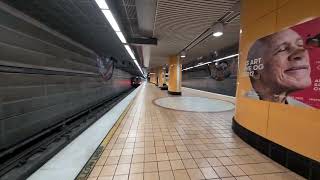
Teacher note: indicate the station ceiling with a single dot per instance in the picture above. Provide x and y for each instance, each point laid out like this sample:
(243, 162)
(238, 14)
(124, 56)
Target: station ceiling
(174, 23)
(179, 22)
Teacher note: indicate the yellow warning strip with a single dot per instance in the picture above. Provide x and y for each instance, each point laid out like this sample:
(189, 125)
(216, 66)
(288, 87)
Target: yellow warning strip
(86, 170)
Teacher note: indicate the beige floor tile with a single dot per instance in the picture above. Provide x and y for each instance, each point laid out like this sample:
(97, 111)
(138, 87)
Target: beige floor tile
(122, 169)
(96, 171)
(196, 154)
(120, 177)
(181, 148)
(181, 175)
(151, 176)
(129, 145)
(159, 144)
(138, 151)
(166, 175)
(108, 170)
(139, 145)
(174, 156)
(161, 149)
(162, 157)
(177, 164)
(112, 160)
(202, 162)
(150, 167)
(136, 158)
(150, 150)
(189, 163)
(106, 152)
(185, 155)
(125, 159)
(243, 178)
(137, 168)
(171, 149)
(127, 152)
(102, 160)
(214, 162)
(105, 178)
(164, 166)
(136, 176)
(229, 178)
(225, 161)
(195, 174)
(151, 139)
(115, 152)
(235, 170)
(150, 157)
(222, 171)
(209, 173)
(93, 178)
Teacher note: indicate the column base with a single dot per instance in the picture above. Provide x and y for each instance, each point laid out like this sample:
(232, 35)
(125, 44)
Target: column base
(174, 93)
(298, 163)
(164, 88)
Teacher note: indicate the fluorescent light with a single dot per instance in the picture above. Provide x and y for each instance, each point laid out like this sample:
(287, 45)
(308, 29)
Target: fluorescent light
(227, 57)
(217, 34)
(121, 37)
(102, 4)
(216, 60)
(137, 64)
(217, 29)
(112, 21)
(183, 54)
(129, 51)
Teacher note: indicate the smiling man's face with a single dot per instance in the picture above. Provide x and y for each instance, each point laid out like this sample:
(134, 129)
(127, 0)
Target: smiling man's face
(286, 62)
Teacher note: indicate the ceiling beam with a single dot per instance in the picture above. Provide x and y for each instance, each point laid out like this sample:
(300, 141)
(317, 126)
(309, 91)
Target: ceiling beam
(143, 41)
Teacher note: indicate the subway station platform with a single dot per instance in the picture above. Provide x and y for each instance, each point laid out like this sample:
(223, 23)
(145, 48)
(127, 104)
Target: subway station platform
(153, 142)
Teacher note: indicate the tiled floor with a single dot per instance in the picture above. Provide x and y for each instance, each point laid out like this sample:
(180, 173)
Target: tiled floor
(154, 143)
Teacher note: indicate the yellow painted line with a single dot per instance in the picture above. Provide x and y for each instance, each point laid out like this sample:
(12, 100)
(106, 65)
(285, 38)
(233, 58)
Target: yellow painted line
(86, 170)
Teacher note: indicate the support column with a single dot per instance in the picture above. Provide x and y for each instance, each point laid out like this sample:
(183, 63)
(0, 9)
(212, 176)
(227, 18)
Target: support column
(175, 75)
(160, 78)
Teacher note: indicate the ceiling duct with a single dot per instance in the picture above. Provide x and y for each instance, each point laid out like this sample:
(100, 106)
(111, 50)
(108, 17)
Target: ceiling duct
(224, 16)
(228, 17)
(233, 17)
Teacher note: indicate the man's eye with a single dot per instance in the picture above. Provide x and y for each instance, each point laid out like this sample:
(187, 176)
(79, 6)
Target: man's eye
(282, 48)
(300, 43)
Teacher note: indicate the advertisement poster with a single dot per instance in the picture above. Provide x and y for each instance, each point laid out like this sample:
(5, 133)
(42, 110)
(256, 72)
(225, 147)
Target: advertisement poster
(105, 66)
(284, 67)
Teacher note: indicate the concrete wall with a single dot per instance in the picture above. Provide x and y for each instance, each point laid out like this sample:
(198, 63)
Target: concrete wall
(45, 77)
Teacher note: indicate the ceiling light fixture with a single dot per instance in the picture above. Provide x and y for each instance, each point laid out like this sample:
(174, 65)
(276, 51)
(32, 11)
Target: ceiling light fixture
(112, 21)
(121, 37)
(102, 4)
(130, 51)
(183, 54)
(216, 60)
(137, 64)
(217, 29)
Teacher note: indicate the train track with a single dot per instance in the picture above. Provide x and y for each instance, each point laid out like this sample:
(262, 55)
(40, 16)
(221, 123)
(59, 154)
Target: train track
(21, 161)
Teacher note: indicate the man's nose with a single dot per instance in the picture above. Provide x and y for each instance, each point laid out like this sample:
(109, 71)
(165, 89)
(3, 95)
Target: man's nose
(298, 53)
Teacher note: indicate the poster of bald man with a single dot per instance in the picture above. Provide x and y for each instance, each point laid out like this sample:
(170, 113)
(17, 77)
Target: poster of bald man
(284, 67)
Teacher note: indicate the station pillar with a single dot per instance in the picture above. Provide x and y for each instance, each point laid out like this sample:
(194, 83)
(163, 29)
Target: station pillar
(160, 77)
(175, 75)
